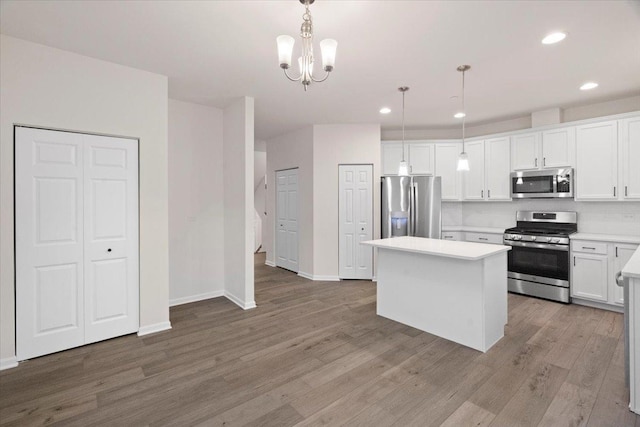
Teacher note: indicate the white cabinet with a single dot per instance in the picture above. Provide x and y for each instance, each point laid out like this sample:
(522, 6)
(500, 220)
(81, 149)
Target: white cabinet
(497, 168)
(597, 161)
(589, 276)
(419, 155)
(474, 177)
(594, 267)
(451, 235)
(492, 238)
(622, 254)
(553, 148)
(629, 161)
(524, 151)
(488, 174)
(391, 156)
(446, 164)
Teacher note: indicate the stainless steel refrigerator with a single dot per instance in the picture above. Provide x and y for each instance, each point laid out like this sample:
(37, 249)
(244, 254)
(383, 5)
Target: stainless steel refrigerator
(411, 206)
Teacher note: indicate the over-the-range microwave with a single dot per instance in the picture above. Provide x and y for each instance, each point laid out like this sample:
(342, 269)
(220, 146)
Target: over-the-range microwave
(542, 184)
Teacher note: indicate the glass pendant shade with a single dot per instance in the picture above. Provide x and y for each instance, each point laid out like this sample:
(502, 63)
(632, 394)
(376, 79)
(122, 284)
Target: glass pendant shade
(463, 162)
(403, 169)
(285, 49)
(328, 48)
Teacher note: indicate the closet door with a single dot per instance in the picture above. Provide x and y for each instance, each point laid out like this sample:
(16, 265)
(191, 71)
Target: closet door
(110, 237)
(76, 239)
(49, 241)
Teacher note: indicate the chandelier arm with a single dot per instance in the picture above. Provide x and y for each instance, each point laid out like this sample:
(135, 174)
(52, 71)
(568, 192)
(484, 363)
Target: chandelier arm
(291, 78)
(321, 80)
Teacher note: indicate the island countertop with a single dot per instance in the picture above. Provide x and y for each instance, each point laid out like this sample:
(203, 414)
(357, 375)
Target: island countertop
(444, 248)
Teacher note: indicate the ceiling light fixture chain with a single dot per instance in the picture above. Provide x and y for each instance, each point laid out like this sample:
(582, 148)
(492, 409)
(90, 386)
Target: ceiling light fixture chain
(403, 168)
(306, 60)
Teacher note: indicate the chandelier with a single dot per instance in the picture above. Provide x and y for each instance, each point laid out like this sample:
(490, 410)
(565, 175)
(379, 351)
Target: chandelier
(305, 62)
(463, 158)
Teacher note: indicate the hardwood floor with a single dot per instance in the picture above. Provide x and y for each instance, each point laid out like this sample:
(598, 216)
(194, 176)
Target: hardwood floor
(315, 353)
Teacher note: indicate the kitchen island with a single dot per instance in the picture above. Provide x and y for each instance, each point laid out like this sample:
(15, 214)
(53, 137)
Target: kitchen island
(455, 290)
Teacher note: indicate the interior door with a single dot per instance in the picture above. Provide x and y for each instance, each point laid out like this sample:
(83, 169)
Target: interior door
(76, 239)
(110, 237)
(355, 221)
(287, 219)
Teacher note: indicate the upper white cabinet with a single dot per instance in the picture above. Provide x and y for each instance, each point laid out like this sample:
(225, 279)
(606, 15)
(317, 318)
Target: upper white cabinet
(391, 156)
(421, 158)
(497, 168)
(630, 158)
(419, 155)
(446, 168)
(488, 174)
(474, 177)
(553, 148)
(597, 161)
(524, 151)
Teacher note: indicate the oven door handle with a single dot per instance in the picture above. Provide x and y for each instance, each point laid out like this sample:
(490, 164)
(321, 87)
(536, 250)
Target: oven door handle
(561, 248)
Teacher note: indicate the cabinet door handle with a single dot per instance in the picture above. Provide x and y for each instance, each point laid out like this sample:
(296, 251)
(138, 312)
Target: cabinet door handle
(448, 237)
(616, 252)
(482, 194)
(488, 194)
(625, 191)
(588, 247)
(536, 164)
(614, 191)
(574, 261)
(544, 161)
(482, 238)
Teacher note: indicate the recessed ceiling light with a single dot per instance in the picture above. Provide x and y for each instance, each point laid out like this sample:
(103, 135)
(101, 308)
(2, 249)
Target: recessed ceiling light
(459, 115)
(385, 110)
(554, 38)
(589, 86)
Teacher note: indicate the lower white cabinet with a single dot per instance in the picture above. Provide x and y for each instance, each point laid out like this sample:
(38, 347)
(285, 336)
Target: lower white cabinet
(594, 265)
(495, 239)
(451, 235)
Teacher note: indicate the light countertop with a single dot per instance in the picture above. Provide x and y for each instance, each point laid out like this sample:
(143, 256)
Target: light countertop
(632, 268)
(444, 248)
(616, 238)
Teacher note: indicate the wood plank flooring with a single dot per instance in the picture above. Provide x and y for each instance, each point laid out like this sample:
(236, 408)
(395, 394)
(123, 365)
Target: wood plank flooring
(315, 353)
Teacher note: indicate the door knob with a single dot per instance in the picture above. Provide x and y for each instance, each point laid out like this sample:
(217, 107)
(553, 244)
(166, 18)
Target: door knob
(363, 229)
(109, 250)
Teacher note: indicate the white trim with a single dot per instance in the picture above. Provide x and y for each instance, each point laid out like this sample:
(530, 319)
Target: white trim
(240, 303)
(152, 329)
(319, 277)
(8, 363)
(595, 304)
(305, 275)
(195, 298)
(270, 263)
(374, 279)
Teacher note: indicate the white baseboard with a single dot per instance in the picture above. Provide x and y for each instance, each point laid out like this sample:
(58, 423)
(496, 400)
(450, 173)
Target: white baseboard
(245, 305)
(270, 263)
(319, 278)
(374, 279)
(152, 329)
(8, 363)
(596, 304)
(195, 298)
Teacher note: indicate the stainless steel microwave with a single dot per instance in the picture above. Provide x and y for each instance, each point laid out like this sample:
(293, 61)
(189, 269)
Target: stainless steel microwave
(547, 183)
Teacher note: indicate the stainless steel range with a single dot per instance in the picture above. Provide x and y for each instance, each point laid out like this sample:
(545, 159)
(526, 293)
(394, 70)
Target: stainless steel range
(539, 257)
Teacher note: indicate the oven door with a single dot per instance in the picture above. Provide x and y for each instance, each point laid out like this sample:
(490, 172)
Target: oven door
(540, 263)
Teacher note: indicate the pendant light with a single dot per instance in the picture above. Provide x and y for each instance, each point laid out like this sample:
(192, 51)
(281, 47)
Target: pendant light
(463, 159)
(403, 168)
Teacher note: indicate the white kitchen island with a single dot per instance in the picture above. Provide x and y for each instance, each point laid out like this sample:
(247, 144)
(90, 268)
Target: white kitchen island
(455, 290)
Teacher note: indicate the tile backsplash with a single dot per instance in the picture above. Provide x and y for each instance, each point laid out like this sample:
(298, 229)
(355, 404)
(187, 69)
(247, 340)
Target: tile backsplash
(593, 217)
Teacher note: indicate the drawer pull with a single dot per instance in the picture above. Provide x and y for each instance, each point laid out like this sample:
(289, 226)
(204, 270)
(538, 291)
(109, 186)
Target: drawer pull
(588, 247)
(482, 238)
(448, 237)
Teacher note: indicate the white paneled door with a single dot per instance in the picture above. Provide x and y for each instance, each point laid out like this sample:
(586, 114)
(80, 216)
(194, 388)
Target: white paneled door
(287, 219)
(76, 239)
(355, 221)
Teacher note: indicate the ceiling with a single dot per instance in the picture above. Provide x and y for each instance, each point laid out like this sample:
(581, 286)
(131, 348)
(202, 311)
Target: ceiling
(213, 51)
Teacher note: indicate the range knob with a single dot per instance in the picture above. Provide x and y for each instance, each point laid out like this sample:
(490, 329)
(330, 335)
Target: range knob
(549, 239)
(556, 240)
(533, 238)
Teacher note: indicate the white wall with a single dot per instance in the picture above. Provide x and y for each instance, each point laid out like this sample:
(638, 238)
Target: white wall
(334, 145)
(238, 149)
(621, 218)
(51, 88)
(292, 150)
(196, 214)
